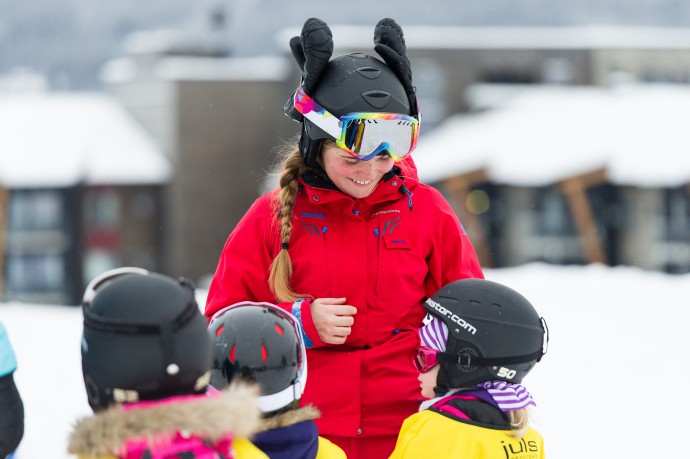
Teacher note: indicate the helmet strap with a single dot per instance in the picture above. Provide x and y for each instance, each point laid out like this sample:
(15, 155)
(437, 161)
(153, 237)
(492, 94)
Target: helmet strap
(309, 148)
(467, 360)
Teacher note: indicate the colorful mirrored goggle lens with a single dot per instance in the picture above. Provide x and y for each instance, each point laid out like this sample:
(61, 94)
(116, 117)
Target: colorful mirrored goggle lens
(363, 135)
(423, 359)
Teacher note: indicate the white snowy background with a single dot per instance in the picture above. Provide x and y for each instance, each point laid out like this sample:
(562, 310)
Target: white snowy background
(613, 383)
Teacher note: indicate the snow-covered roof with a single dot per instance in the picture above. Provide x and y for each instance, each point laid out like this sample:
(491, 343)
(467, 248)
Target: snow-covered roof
(61, 139)
(538, 135)
(194, 68)
(512, 37)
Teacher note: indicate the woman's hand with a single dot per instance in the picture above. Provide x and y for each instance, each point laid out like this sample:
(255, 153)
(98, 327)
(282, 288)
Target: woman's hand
(333, 319)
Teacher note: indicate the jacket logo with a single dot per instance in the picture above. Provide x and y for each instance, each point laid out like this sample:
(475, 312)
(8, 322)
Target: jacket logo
(454, 317)
(390, 225)
(521, 449)
(313, 230)
(389, 211)
(312, 215)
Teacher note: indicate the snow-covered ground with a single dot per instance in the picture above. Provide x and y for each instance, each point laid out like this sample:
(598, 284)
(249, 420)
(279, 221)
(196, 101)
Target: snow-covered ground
(611, 385)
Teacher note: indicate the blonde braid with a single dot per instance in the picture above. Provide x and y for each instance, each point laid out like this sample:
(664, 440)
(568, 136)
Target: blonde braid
(281, 268)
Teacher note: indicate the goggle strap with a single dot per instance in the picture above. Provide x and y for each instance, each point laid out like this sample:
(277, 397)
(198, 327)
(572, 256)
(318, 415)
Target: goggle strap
(125, 327)
(329, 124)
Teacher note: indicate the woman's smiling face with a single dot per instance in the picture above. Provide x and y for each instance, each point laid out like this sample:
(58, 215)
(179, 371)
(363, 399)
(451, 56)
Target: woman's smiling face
(352, 176)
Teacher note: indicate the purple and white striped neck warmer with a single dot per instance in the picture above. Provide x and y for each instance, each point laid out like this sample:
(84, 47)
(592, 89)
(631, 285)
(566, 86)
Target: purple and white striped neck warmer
(506, 396)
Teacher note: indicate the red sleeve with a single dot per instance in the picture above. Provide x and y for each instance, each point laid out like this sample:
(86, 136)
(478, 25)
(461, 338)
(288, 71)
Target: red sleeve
(243, 267)
(453, 257)
(244, 264)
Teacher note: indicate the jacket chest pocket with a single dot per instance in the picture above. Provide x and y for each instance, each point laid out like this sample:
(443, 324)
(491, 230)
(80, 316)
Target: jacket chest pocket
(396, 242)
(401, 271)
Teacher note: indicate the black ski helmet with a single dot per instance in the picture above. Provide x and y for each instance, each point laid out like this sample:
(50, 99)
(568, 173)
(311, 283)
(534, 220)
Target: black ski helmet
(144, 338)
(494, 333)
(262, 343)
(350, 83)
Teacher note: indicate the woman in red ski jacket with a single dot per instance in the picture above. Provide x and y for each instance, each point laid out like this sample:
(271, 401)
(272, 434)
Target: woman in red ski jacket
(351, 242)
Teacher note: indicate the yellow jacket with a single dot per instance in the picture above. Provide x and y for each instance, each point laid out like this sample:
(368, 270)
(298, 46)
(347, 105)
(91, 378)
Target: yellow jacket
(433, 434)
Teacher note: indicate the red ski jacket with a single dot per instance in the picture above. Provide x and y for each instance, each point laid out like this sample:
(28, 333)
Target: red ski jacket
(385, 254)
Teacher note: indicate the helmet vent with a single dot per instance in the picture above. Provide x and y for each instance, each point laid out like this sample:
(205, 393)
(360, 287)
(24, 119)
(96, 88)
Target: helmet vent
(369, 72)
(220, 330)
(377, 99)
(279, 329)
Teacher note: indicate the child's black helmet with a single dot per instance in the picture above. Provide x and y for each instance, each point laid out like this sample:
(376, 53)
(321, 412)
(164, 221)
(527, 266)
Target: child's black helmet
(262, 343)
(494, 333)
(144, 338)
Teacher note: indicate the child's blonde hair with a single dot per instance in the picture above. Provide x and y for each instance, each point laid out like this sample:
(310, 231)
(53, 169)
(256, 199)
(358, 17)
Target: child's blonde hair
(519, 421)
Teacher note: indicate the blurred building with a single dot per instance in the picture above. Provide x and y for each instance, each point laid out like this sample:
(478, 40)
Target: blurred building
(446, 60)
(539, 121)
(555, 144)
(219, 119)
(80, 192)
(569, 174)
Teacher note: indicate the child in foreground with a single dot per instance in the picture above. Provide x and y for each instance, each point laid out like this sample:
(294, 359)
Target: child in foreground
(480, 342)
(11, 404)
(146, 360)
(262, 343)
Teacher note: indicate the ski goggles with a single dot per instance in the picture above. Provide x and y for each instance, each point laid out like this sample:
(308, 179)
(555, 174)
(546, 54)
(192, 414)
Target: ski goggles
(423, 359)
(363, 134)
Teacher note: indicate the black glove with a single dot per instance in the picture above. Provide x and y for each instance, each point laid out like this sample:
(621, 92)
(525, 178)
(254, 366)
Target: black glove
(389, 43)
(312, 51)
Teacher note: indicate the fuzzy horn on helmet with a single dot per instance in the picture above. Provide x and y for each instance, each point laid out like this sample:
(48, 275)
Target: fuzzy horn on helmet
(312, 50)
(389, 43)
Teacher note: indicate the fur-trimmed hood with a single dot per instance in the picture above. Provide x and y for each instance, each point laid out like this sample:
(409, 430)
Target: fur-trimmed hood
(233, 412)
(289, 418)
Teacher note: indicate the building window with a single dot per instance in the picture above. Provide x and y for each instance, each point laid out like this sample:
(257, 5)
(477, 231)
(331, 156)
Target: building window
(678, 215)
(102, 238)
(36, 210)
(38, 245)
(674, 250)
(554, 237)
(35, 274)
